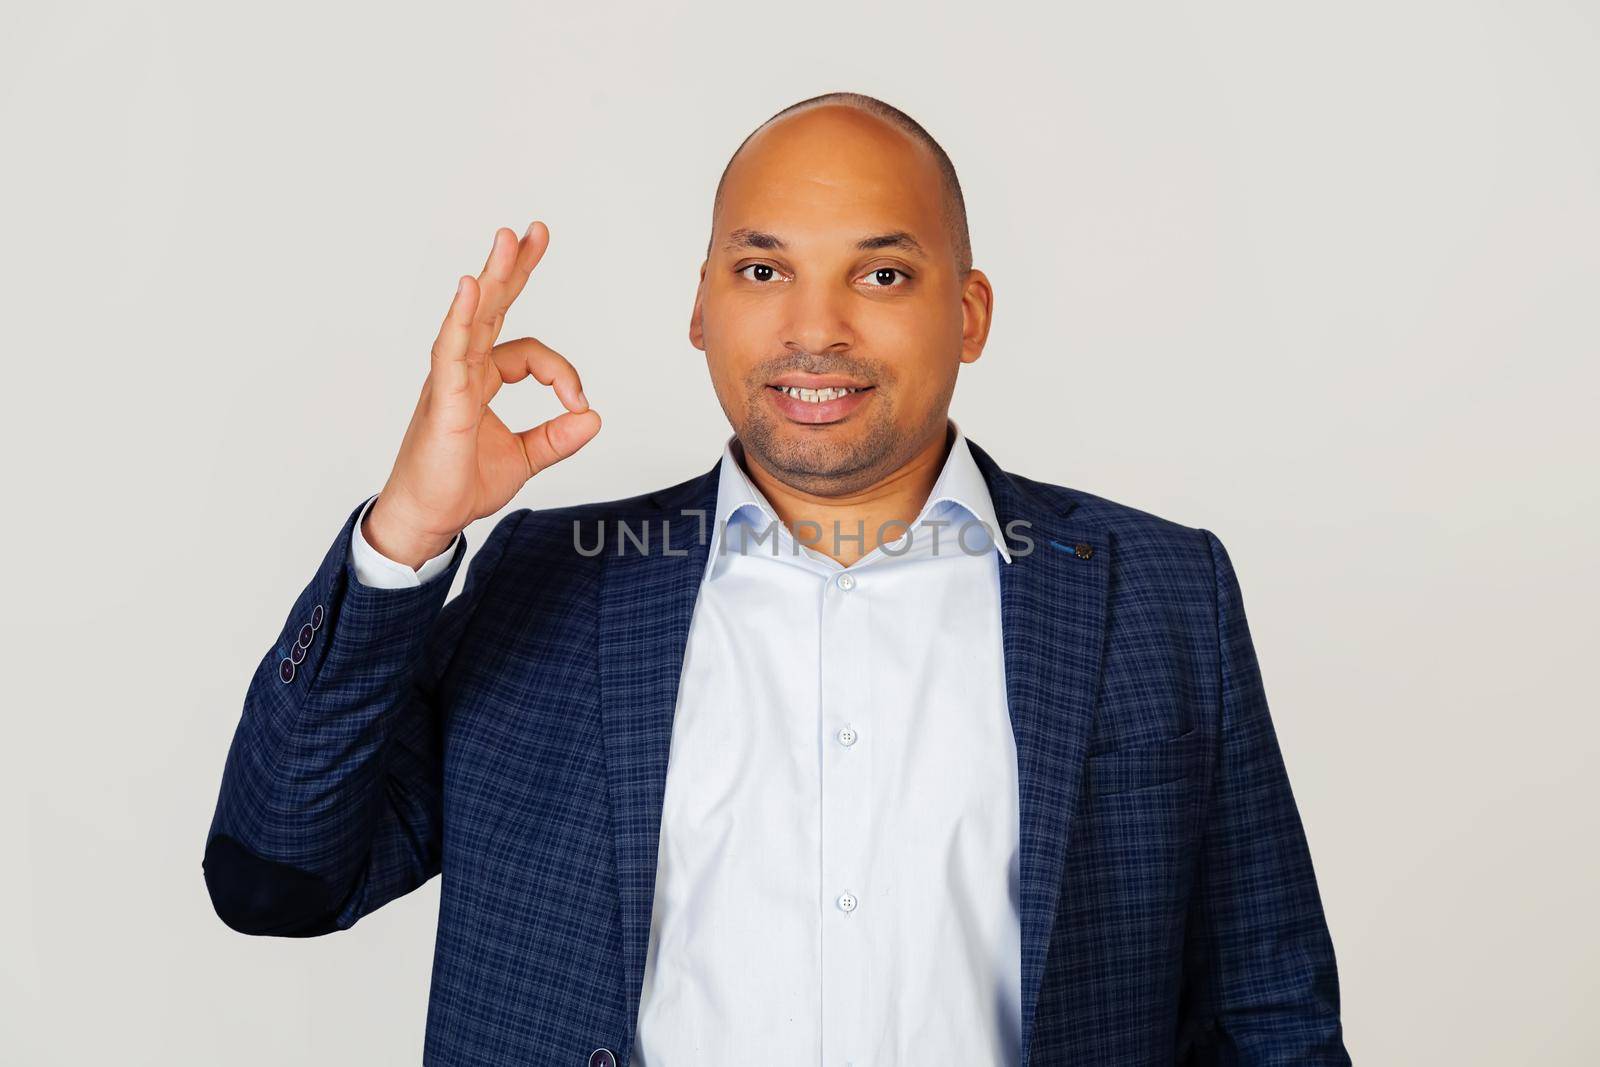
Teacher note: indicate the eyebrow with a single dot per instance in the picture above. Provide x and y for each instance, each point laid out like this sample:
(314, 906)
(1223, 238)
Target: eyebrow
(744, 237)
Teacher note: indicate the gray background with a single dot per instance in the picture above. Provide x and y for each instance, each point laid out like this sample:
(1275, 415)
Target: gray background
(1320, 278)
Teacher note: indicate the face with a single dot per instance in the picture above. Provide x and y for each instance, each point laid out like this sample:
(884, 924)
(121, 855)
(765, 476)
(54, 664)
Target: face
(832, 268)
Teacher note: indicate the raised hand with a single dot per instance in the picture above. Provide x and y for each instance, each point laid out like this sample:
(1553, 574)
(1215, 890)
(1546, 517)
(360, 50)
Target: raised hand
(458, 462)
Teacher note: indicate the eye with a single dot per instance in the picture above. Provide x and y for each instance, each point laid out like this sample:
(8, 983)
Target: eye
(769, 268)
(878, 279)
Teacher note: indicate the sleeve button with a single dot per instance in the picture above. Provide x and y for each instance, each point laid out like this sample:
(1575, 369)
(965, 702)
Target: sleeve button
(316, 617)
(286, 670)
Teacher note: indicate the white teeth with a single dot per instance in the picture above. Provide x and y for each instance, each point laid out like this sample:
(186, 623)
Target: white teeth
(816, 396)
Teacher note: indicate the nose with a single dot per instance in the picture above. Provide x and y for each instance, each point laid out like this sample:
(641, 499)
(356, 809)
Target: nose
(818, 318)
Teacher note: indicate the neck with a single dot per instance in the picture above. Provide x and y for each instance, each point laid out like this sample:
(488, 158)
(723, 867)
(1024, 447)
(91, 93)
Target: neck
(895, 500)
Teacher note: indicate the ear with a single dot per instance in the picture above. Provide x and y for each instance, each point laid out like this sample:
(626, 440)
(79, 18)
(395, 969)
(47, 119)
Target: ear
(697, 335)
(977, 312)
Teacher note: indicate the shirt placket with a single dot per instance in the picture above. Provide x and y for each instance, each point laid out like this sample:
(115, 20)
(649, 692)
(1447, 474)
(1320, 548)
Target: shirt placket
(845, 731)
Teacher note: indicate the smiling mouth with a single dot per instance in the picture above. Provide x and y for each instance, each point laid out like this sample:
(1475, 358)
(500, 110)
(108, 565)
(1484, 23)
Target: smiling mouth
(818, 396)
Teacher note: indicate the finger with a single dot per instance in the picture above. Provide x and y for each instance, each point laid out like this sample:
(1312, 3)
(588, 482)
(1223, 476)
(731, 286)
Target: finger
(529, 252)
(496, 271)
(526, 356)
(555, 439)
(494, 247)
(449, 355)
(506, 275)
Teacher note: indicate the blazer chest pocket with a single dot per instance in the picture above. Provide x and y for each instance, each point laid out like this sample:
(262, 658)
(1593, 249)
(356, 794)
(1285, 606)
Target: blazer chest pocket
(1156, 763)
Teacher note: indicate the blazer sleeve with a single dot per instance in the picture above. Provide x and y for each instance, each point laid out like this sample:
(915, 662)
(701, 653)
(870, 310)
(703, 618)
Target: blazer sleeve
(1262, 986)
(331, 798)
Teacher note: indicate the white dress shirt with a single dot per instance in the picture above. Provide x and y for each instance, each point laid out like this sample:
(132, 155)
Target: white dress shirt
(837, 880)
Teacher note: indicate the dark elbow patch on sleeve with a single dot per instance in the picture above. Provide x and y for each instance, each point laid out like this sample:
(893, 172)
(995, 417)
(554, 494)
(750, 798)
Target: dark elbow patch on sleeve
(263, 897)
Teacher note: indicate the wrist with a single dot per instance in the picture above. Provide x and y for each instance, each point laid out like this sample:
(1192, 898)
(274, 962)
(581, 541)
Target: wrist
(396, 540)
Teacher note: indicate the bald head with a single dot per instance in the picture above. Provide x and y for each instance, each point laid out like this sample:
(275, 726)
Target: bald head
(833, 115)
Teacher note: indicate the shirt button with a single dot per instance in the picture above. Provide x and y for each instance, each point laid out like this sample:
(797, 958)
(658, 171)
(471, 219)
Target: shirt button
(847, 902)
(847, 736)
(847, 581)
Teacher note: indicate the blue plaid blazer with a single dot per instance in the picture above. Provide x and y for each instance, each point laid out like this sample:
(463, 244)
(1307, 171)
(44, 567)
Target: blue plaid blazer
(515, 741)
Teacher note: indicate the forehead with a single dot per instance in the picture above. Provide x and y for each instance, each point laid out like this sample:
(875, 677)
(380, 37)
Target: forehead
(827, 177)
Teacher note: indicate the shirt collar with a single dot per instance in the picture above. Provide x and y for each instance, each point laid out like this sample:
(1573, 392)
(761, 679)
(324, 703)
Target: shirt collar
(960, 482)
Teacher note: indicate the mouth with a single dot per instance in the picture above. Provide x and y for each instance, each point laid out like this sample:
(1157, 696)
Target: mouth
(817, 404)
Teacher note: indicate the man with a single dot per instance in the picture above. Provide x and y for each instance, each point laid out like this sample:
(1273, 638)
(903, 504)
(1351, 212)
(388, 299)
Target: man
(854, 749)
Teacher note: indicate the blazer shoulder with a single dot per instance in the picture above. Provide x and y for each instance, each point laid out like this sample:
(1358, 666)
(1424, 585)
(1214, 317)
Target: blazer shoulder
(1140, 539)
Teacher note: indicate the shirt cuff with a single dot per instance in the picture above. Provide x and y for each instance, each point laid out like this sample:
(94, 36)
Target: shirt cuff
(375, 569)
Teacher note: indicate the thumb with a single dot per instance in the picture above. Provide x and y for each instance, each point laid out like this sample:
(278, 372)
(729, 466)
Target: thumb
(555, 439)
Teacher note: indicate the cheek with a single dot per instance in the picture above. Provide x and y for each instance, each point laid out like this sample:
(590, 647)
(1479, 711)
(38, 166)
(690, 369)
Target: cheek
(924, 366)
(729, 388)
(915, 334)
(736, 317)
(735, 342)
(730, 380)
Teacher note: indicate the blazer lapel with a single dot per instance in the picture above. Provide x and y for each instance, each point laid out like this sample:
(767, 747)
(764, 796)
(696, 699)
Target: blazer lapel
(1053, 616)
(646, 601)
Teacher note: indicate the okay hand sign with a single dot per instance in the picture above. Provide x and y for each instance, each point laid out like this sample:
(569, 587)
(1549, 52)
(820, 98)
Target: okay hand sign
(458, 462)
